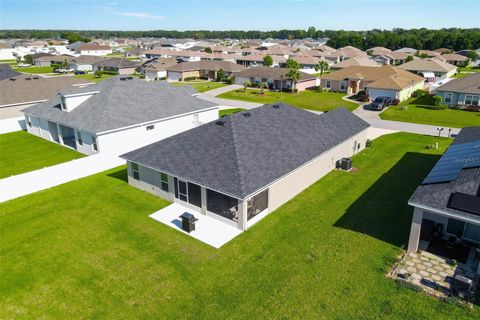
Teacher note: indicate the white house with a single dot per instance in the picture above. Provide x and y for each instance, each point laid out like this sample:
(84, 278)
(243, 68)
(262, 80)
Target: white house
(244, 166)
(94, 50)
(117, 115)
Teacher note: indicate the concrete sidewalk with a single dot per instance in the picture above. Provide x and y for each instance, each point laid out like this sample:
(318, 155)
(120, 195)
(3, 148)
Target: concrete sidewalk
(12, 124)
(30, 182)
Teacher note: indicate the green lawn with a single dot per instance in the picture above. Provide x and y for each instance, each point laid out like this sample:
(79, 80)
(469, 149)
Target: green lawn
(87, 249)
(22, 152)
(34, 69)
(11, 62)
(90, 77)
(308, 99)
(417, 113)
(226, 112)
(201, 86)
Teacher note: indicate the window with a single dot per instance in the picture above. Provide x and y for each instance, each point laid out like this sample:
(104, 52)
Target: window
(471, 100)
(79, 138)
(257, 204)
(343, 85)
(455, 227)
(135, 172)
(472, 231)
(164, 181)
(182, 190)
(94, 144)
(150, 127)
(328, 84)
(448, 97)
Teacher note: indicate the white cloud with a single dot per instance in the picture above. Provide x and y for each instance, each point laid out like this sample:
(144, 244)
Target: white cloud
(141, 15)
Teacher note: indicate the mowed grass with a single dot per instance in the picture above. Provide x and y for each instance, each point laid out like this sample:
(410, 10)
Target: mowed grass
(308, 99)
(34, 69)
(226, 112)
(91, 77)
(87, 249)
(417, 113)
(201, 86)
(22, 152)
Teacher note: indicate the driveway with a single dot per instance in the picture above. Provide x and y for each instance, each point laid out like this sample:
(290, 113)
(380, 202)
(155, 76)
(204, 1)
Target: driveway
(29, 182)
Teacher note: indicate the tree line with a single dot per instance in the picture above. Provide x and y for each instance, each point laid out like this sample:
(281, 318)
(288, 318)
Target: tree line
(427, 39)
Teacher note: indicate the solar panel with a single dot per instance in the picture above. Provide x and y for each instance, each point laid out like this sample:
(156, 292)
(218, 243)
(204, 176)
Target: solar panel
(454, 160)
(464, 202)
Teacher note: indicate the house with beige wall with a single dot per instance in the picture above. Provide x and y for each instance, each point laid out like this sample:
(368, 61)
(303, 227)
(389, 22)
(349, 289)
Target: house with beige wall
(384, 81)
(242, 167)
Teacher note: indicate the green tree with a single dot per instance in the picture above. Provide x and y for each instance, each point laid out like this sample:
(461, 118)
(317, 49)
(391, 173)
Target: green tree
(246, 84)
(262, 86)
(292, 64)
(220, 75)
(267, 61)
(208, 50)
(409, 58)
(472, 55)
(28, 59)
(98, 74)
(322, 66)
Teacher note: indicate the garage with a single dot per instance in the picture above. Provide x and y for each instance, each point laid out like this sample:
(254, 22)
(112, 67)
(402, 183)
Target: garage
(174, 76)
(375, 93)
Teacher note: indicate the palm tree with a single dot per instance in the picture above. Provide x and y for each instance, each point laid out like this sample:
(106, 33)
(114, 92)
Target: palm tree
(294, 75)
(322, 66)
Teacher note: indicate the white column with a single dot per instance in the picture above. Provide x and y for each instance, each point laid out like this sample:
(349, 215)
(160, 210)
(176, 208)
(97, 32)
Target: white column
(60, 138)
(242, 215)
(203, 192)
(415, 230)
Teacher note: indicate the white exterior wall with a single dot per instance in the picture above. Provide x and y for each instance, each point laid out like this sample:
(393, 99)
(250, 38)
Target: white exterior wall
(151, 182)
(82, 67)
(7, 54)
(289, 186)
(95, 52)
(136, 137)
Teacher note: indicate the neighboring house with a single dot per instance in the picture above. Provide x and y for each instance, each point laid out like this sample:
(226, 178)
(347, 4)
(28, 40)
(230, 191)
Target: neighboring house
(275, 77)
(48, 60)
(22, 90)
(398, 58)
(377, 51)
(137, 52)
(244, 166)
(205, 69)
(357, 61)
(447, 203)
(456, 59)
(433, 70)
(94, 50)
(6, 52)
(75, 45)
(407, 50)
(84, 63)
(156, 68)
(185, 56)
(118, 65)
(253, 60)
(307, 63)
(118, 115)
(463, 91)
(376, 81)
(465, 53)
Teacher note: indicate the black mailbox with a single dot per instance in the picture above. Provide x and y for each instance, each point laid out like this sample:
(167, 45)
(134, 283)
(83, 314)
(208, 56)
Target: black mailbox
(188, 222)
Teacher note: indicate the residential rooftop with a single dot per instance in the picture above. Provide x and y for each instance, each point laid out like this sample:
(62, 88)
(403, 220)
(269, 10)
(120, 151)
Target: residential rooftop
(467, 84)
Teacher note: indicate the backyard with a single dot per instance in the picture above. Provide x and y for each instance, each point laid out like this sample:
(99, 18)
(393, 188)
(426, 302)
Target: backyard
(419, 111)
(308, 99)
(200, 86)
(33, 69)
(323, 255)
(22, 152)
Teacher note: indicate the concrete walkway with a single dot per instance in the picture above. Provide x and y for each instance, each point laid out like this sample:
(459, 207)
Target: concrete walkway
(30, 182)
(12, 124)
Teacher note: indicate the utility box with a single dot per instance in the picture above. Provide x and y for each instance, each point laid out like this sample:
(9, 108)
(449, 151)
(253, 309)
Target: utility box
(345, 164)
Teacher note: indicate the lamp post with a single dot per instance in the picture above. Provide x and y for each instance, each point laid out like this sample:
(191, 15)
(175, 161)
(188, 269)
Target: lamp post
(449, 132)
(439, 131)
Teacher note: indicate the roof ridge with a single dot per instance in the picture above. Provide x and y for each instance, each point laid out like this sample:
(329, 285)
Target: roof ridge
(237, 154)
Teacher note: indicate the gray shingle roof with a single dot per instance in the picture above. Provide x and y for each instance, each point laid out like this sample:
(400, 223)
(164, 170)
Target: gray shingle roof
(121, 103)
(467, 84)
(437, 195)
(247, 153)
(6, 72)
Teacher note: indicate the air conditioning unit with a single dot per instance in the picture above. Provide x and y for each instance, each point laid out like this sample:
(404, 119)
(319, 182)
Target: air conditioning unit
(345, 164)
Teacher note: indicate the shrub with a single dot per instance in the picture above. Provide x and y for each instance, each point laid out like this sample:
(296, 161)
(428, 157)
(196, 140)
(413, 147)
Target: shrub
(437, 100)
(369, 143)
(396, 102)
(113, 73)
(98, 74)
(419, 93)
(190, 78)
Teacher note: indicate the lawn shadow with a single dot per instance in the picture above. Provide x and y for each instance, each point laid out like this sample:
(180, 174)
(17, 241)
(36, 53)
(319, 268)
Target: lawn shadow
(119, 174)
(382, 211)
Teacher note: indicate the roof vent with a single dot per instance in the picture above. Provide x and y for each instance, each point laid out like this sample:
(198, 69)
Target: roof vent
(12, 79)
(247, 114)
(123, 79)
(220, 123)
(129, 78)
(276, 106)
(28, 78)
(36, 78)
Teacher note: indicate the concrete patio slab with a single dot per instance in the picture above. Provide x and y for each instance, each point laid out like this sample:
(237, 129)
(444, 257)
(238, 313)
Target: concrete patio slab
(208, 230)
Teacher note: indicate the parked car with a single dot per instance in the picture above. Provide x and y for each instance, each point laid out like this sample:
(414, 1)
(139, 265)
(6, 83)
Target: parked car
(379, 103)
(64, 70)
(79, 72)
(23, 65)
